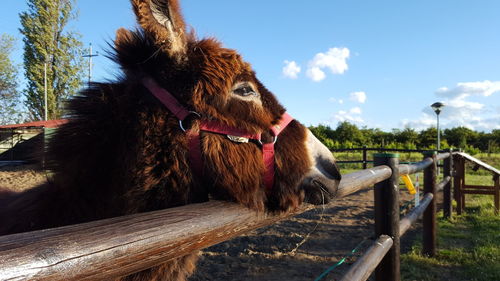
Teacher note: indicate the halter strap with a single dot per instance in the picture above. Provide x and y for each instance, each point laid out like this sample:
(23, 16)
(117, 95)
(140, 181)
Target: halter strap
(168, 100)
(195, 158)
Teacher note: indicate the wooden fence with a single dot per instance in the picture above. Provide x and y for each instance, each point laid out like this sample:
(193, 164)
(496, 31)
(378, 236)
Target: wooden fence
(461, 188)
(120, 246)
(365, 161)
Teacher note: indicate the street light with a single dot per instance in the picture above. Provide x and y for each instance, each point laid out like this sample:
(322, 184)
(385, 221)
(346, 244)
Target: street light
(437, 108)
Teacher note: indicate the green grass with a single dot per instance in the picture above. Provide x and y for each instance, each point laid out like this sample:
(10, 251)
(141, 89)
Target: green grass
(468, 247)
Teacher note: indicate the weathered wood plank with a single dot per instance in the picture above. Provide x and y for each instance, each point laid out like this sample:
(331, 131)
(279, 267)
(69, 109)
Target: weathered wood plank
(361, 179)
(386, 199)
(120, 246)
(486, 187)
(447, 172)
(478, 191)
(442, 156)
(496, 197)
(408, 169)
(406, 222)
(364, 266)
(478, 162)
(443, 183)
(429, 222)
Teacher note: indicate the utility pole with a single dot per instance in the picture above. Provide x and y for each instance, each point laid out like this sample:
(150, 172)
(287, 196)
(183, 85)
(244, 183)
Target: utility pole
(45, 88)
(90, 56)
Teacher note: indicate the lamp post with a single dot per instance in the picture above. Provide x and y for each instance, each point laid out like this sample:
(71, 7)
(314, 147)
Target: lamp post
(437, 108)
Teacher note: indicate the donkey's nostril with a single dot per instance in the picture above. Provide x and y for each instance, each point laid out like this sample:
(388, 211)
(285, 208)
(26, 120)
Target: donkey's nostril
(321, 187)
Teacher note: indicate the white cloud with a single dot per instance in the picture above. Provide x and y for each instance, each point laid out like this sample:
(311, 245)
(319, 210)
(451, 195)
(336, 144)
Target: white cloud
(334, 100)
(424, 122)
(334, 59)
(353, 115)
(355, 110)
(316, 74)
(485, 88)
(291, 69)
(460, 110)
(358, 97)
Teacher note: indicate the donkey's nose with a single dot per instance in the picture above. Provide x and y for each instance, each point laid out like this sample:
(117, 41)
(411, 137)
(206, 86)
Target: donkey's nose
(320, 187)
(322, 181)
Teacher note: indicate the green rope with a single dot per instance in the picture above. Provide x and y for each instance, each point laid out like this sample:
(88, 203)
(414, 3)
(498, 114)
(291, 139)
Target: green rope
(353, 251)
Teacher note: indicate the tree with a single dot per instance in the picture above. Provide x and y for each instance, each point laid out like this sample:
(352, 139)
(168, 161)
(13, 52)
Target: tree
(347, 132)
(10, 111)
(461, 136)
(427, 138)
(407, 136)
(47, 42)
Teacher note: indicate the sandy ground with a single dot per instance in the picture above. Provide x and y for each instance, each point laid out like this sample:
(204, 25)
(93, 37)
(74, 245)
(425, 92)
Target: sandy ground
(325, 236)
(21, 177)
(300, 248)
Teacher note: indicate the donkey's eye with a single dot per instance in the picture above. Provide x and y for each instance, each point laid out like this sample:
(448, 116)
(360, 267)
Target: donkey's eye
(245, 91)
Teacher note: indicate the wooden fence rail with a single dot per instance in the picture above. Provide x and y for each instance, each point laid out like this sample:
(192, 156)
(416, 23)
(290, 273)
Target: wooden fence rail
(365, 265)
(386, 262)
(120, 246)
(124, 245)
(365, 150)
(92, 251)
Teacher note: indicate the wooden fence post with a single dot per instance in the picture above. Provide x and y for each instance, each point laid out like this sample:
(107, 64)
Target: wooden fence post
(365, 164)
(387, 216)
(458, 181)
(429, 221)
(462, 184)
(447, 208)
(497, 193)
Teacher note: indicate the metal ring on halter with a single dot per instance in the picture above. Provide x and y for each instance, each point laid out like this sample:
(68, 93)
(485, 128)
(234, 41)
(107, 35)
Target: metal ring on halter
(190, 112)
(275, 138)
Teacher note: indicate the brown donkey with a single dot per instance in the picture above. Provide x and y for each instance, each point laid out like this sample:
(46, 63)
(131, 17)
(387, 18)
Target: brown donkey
(187, 121)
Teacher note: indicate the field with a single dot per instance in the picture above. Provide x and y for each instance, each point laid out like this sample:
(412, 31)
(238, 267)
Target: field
(468, 245)
(304, 247)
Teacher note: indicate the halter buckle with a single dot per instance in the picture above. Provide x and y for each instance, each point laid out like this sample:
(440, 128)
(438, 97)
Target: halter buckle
(275, 138)
(190, 113)
(237, 139)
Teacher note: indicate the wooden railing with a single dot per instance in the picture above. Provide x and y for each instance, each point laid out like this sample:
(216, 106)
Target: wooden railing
(124, 245)
(120, 246)
(364, 150)
(461, 188)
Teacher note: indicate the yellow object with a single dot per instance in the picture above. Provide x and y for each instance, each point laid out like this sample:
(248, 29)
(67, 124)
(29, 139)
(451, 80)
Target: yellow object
(409, 184)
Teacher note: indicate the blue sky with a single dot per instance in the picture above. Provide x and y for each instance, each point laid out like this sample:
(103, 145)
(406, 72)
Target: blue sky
(373, 63)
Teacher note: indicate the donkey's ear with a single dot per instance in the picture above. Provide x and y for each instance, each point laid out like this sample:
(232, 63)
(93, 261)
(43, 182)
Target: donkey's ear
(163, 20)
(123, 36)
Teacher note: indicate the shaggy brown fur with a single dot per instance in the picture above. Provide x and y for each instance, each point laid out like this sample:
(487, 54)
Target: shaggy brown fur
(123, 152)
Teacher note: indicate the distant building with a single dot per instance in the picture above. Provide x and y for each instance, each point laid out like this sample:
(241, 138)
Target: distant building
(26, 142)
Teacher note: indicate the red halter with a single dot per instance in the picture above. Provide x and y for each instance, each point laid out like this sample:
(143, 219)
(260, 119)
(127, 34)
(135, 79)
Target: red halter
(232, 133)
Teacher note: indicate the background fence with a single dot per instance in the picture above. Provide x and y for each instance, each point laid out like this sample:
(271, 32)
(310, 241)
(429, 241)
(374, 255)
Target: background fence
(124, 245)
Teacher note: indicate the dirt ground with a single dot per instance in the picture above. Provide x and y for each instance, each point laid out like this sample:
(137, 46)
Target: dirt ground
(271, 253)
(300, 248)
(21, 177)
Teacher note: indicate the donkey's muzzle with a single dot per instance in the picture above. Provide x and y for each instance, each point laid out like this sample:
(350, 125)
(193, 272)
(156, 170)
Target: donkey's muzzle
(322, 181)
